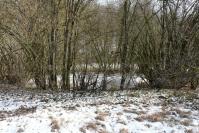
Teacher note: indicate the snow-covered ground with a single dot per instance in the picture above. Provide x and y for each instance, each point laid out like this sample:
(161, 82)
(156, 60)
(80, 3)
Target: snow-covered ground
(119, 112)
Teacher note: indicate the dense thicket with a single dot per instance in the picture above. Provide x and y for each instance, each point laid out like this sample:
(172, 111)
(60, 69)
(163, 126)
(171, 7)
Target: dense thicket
(71, 44)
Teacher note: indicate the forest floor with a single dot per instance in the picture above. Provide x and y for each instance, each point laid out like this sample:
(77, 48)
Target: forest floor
(138, 111)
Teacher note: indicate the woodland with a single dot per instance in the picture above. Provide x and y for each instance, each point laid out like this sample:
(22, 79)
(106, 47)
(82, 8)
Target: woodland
(114, 53)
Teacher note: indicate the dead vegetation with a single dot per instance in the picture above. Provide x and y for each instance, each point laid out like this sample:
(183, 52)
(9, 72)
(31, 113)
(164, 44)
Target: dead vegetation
(189, 131)
(186, 122)
(91, 126)
(20, 130)
(55, 126)
(96, 126)
(119, 113)
(183, 113)
(20, 111)
(160, 116)
(133, 111)
(148, 125)
(124, 130)
(101, 116)
(156, 117)
(82, 130)
(130, 111)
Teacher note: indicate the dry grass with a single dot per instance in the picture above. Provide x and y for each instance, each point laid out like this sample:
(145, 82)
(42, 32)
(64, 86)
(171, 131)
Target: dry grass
(96, 126)
(174, 111)
(148, 125)
(119, 113)
(101, 116)
(124, 130)
(140, 119)
(189, 131)
(20, 130)
(131, 111)
(128, 111)
(121, 121)
(50, 117)
(92, 126)
(72, 108)
(102, 131)
(152, 117)
(186, 122)
(164, 108)
(82, 130)
(22, 110)
(100, 124)
(184, 114)
(54, 125)
(125, 105)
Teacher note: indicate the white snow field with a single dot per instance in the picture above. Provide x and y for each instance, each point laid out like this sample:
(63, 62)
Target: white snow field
(139, 111)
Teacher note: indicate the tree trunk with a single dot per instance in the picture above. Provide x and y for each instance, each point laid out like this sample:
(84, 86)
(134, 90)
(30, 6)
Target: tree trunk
(124, 45)
(52, 48)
